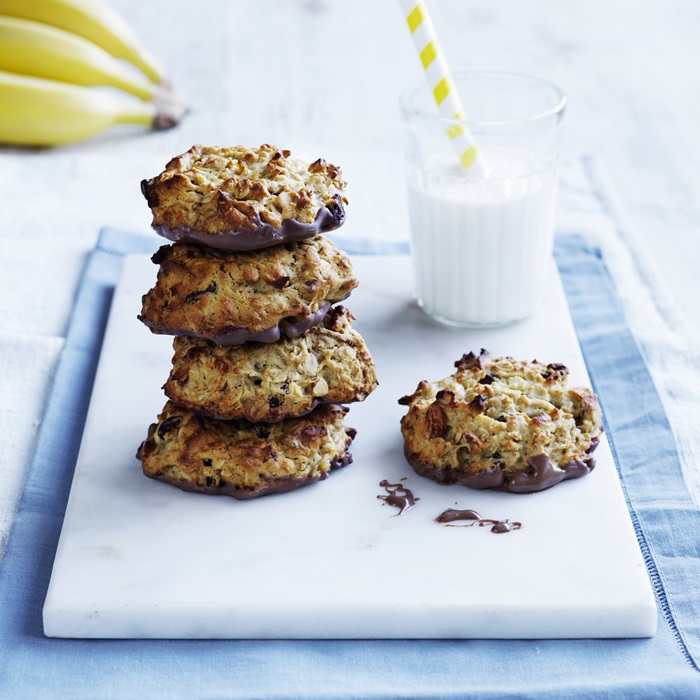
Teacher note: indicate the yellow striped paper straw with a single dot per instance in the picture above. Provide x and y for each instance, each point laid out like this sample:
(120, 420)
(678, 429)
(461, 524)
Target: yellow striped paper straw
(440, 80)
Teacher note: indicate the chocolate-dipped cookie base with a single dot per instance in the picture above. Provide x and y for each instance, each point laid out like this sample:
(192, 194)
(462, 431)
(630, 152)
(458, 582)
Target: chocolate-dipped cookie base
(541, 473)
(263, 235)
(234, 491)
(235, 335)
(236, 297)
(242, 459)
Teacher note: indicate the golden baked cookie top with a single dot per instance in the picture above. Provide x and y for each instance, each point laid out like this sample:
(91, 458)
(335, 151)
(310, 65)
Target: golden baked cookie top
(232, 298)
(238, 198)
(502, 423)
(273, 381)
(242, 459)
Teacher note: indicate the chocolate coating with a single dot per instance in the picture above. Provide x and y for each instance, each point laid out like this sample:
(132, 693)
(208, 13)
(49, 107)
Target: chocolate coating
(263, 235)
(237, 335)
(279, 486)
(543, 474)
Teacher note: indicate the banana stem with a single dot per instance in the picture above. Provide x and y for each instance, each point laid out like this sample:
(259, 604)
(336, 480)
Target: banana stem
(165, 111)
(170, 106)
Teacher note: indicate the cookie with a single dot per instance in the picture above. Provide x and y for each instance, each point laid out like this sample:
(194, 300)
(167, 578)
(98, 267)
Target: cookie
(242, 459)
(269, 382)
(232, 298)
(244, 198)
(502, 423)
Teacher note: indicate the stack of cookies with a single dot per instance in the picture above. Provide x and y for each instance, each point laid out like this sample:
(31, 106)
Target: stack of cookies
(263, 359)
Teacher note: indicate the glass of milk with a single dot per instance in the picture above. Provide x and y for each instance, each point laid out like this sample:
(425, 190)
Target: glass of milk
(482, 244)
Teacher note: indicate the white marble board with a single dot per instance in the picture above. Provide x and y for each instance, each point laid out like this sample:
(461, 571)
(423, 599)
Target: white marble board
(141, 559)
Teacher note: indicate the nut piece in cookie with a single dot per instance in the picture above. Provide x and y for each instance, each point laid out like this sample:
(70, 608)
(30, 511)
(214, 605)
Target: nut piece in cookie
(232, 298)
(241, 459)
(237, 198)
(502, 423)
(272, 381)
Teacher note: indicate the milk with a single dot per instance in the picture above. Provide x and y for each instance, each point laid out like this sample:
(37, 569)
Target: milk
(481, 247)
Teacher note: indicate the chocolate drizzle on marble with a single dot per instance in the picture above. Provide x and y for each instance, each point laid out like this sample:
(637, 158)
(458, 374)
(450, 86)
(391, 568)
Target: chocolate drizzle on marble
(398, 496)
(498, 527)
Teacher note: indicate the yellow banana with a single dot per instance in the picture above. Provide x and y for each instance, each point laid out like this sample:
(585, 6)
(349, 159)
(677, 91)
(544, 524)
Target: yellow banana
(43, 51)
(40, 112)
(93, 20)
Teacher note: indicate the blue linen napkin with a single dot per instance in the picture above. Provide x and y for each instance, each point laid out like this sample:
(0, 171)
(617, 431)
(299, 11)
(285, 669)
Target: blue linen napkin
(665, 519)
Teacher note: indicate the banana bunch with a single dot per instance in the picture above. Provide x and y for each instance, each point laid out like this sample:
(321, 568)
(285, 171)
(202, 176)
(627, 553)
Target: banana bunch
(54, 53)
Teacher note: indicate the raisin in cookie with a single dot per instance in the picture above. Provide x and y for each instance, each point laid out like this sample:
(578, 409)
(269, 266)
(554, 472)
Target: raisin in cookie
(241, 459)
(231, 298)
(502, 423)
(269, 382)
(244, 198)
